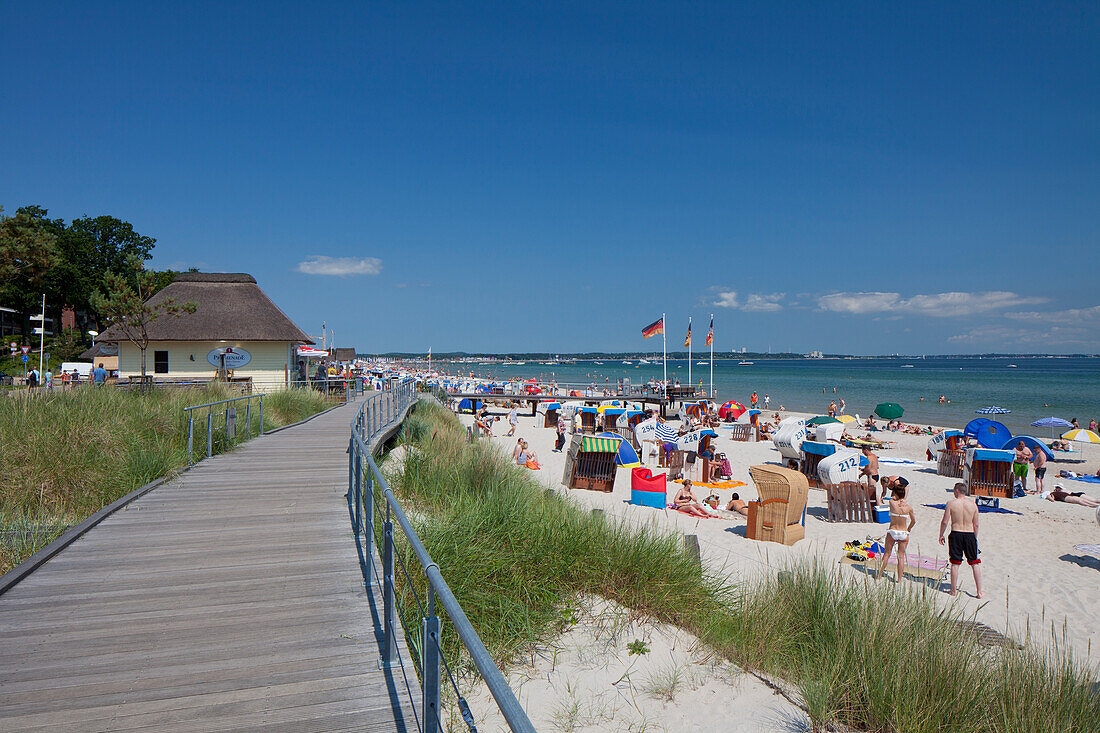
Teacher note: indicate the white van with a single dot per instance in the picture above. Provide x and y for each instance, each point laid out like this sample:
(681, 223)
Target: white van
(83, 368)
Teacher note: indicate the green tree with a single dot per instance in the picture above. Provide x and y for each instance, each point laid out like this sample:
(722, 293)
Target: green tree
(28, 253)
(124, 304)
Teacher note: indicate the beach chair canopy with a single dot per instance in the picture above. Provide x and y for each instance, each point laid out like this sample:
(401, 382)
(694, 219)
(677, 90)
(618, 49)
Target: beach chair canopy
(624, 419)
(988, 433)
(625, 455)
(748, 416)
(468, 405)
(1030, 442)
(691, 441)
(646, 430)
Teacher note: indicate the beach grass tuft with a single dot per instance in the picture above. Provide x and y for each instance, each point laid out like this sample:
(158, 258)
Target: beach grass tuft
(862, 653)
(65, 455)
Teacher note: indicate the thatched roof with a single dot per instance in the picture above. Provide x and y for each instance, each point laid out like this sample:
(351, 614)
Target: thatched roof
(229, 306)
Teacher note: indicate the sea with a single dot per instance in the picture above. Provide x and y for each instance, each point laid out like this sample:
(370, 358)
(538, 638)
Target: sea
(1030, 387)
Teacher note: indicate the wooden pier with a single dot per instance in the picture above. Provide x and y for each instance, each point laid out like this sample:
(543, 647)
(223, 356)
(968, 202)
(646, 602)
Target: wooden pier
(229, 599)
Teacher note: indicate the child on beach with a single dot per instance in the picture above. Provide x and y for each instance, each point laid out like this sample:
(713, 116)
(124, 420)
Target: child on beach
(962, 514)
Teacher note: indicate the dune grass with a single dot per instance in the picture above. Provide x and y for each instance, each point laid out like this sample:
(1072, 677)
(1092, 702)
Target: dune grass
(65, 455)
(869, 655)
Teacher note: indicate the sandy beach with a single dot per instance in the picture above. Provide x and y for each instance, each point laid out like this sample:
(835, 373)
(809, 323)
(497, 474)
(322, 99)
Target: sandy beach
(1035, 582)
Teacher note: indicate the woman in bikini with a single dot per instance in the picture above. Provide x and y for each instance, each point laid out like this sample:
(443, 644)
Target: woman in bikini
(685, 501)
(902, 521)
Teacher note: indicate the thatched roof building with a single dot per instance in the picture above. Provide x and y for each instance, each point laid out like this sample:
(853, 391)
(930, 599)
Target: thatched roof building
(229, 307)
(232, 314)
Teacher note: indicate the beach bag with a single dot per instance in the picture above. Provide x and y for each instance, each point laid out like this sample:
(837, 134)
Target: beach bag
(533, 465)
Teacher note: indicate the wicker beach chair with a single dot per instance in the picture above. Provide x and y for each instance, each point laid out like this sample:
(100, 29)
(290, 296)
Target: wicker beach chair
(777, 515)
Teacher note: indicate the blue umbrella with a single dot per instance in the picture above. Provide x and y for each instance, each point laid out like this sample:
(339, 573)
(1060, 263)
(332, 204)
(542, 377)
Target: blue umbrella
(1051, 422)
(993, 410)
(665, 434)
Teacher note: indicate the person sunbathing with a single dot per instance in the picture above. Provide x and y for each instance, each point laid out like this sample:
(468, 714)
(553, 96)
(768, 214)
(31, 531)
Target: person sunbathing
(1071, 497)
(686, 502)
(737, 504)
(526, 456)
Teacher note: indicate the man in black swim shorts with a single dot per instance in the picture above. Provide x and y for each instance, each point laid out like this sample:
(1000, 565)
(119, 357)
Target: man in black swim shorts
(962, 514)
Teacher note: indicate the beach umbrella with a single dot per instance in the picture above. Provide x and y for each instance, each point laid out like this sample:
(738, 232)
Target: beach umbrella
(665, 434)
(992, 410)
(846, 419)
(889, 410)
(821, 420)
(730, 411)
(1051, 422)
(1081, 435)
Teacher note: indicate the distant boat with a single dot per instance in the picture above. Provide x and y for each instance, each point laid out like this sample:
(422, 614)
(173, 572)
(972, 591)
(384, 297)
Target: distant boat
(626, 362)
(642, 361)
(744, 363)
(520, 363)
(700, 363)
(1012, 366)
(906, 366)
(600, 363)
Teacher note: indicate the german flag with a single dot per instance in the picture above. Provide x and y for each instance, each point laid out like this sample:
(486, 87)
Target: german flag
(654, 329)
(687, 339)
(710, 333)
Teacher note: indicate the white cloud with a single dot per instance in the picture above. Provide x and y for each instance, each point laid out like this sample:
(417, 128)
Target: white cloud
(940, 305)
(1070, 317)
(340, 266)
(764, 302)
(727, 299)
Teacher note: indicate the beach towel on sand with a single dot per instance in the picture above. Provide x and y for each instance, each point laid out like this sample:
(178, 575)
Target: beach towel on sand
(1086, 479)
(714, 485)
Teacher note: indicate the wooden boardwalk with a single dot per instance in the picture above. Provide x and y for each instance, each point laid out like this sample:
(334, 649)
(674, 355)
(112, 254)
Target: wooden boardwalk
(229, 599)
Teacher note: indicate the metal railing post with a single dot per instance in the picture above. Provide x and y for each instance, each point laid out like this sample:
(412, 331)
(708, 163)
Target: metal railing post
(389, 605)
(430, 665)
(261, 414)
(209, 433)
(190, 437)
(248, 416)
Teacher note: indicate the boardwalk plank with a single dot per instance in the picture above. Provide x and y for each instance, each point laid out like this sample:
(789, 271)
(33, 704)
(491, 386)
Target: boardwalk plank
(227, 599)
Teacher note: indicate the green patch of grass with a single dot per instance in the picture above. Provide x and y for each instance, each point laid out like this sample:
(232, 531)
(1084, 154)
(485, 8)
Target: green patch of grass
(65, 455)
(863, 654)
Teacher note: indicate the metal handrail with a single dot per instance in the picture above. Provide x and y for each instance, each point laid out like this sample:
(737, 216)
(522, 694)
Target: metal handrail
(376, 418)
(209, 406)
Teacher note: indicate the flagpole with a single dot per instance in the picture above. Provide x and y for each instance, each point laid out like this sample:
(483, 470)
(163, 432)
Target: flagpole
(710, 333)
(664, 353)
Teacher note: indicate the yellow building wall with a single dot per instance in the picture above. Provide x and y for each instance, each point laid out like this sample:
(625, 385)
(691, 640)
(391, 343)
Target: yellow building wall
(267, 368)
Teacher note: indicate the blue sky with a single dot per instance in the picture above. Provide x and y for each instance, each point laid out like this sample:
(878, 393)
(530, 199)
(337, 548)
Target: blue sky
(513, 177)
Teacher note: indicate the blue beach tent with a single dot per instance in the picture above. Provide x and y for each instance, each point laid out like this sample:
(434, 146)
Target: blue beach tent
(468, 406)
(988, 433)
(1030, 442)
(627, 456)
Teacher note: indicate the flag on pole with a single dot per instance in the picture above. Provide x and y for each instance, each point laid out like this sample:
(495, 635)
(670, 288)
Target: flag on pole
(710, 333)
(654, 329)
(687, 339)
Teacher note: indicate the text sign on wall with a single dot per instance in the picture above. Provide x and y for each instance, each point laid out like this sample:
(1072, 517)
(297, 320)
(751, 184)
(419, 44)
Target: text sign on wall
(235, 357)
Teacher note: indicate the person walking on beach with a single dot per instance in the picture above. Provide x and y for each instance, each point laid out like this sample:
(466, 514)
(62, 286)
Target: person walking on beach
(1020, 463)
(513, 419)
(560, 442)
(832, 409)
(870, 471)
(99, 375)
(902, 521)
(753, 400)
(767, 400)
(1040, 463)
(962, 514)
(841, 406)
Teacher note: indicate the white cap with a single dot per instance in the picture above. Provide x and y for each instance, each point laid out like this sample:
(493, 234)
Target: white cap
(1059, 486)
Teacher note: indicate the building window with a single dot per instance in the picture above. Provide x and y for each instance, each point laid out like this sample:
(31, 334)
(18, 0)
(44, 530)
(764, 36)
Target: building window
(160, 362)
